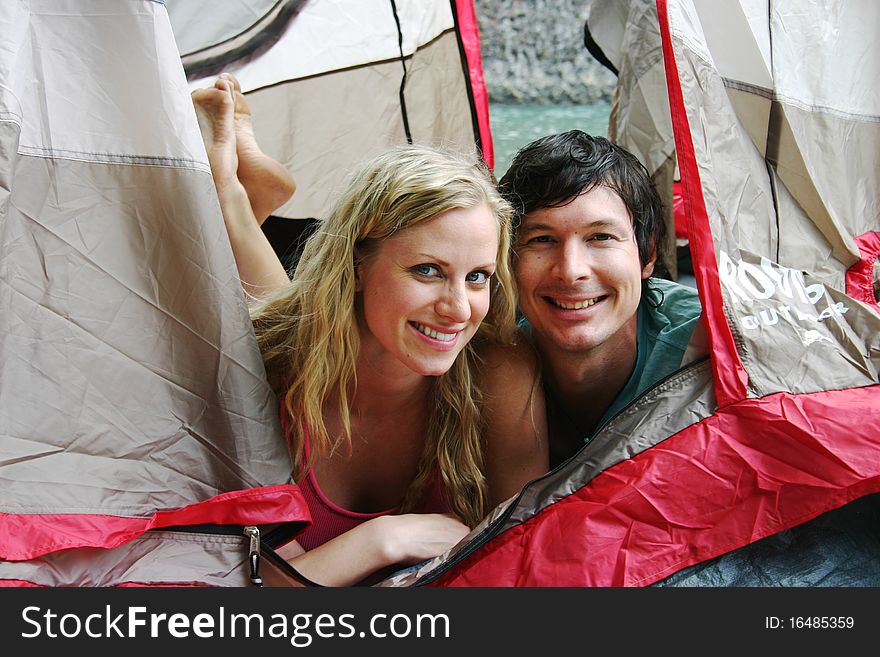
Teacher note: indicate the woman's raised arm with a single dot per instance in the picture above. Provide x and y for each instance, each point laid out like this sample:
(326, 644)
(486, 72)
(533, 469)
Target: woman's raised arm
(259, 268)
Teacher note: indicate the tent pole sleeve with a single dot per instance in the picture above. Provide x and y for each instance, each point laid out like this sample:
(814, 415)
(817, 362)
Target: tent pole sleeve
(731, 379)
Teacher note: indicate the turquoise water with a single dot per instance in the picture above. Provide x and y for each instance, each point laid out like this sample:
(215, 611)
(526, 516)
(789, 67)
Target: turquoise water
(514, 126)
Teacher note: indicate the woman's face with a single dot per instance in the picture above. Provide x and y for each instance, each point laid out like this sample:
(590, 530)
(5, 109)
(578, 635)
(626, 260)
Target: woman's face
(425, 290)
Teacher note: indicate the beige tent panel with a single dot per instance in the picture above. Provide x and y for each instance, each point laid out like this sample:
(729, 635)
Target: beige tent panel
(753, 109)
(793, 332)
(324, 36)
(131, 384)
(78, 101)
(823, 157)
(154, 559)
(156, 379)
(437, 104)
(360, 117)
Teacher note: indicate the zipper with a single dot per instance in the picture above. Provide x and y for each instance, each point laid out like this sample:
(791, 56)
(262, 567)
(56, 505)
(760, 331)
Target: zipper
(257, 541)
(253, 533)
(692, 365)
(476, 542)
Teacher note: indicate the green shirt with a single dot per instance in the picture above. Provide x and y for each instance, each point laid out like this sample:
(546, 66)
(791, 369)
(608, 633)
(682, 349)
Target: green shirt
(662, 335)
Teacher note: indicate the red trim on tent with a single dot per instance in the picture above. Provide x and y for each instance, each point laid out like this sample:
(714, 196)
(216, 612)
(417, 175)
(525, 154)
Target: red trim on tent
(860, 277)
(679, 220)
(18, 583)
(751, 470)
(470, 38)
(160, 585)
(731, 379)
(27, 536)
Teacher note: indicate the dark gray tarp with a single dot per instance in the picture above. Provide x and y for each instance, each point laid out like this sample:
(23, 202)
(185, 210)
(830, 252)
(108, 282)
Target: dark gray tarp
(839, 548)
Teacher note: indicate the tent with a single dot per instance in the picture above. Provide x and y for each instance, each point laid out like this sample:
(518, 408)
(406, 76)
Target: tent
(776, 143)
(334, 82)
(139, 440)
(129, 369)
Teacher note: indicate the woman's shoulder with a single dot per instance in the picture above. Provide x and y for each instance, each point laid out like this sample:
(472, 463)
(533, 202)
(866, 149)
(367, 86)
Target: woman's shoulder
(509, 377)
(514, 416)
(498, 361)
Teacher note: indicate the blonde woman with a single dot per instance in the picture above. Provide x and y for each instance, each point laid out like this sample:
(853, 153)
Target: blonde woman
(393, 420)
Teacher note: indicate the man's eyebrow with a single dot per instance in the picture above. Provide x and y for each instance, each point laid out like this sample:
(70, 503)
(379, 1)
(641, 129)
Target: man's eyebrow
(604, 223)
(525, 228)
(597, 223)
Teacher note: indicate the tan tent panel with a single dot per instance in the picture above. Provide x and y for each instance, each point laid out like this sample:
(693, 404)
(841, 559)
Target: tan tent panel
(786, 227)
(132, 392)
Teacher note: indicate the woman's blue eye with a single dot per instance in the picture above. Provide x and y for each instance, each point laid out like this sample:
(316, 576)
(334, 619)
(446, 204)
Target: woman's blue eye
(478, 277)
(602, 237)
(426, 270)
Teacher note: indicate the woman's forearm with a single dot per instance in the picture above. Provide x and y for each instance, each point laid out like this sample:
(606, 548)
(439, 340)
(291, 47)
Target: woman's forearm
(380, 542)
(348, 558)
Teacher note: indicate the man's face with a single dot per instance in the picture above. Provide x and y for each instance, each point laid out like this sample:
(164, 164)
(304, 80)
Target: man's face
(579, 274)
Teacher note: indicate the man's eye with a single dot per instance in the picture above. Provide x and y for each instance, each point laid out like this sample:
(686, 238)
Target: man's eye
(540, 239)
(428, 271)
(603, 237)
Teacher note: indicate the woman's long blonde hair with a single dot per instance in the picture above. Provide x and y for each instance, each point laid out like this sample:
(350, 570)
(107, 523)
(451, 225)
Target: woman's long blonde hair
(308, 333)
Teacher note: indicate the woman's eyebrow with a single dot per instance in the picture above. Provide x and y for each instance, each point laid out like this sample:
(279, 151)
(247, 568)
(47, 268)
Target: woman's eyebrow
(443, 263)
(432, 258)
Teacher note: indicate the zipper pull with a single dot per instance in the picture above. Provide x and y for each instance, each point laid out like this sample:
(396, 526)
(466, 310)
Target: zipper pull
(253, 533)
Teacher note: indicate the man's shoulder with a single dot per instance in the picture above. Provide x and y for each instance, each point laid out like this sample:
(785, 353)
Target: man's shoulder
(672, 300)
(668, 312)
(669, 315)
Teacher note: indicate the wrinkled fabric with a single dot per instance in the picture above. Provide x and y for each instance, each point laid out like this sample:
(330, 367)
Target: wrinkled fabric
(839, 548)
(132, 391)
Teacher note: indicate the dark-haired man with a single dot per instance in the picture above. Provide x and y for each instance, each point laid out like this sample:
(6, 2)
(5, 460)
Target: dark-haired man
(589, 223)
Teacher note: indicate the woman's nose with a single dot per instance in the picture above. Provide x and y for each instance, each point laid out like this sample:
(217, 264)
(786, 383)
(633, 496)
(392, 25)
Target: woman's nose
(454, 304)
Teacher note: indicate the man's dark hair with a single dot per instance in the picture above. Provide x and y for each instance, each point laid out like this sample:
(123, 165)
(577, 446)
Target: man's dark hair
(552, 171)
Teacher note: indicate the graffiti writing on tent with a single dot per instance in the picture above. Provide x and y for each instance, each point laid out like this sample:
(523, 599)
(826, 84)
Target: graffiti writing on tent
(746, 283)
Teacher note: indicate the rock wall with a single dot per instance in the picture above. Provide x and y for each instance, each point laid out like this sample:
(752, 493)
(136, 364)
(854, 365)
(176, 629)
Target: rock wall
(533, 52)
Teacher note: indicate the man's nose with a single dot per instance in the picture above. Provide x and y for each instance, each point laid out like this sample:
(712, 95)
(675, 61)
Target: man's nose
(572, 263)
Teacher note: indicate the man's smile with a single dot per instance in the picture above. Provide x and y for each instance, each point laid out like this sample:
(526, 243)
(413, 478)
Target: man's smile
(571, 304)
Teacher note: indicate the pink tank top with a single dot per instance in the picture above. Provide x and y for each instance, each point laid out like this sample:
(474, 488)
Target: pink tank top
(330, 520)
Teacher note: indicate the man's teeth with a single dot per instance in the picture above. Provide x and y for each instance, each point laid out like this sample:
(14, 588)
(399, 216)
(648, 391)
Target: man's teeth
(431, 333)
(577, 305)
